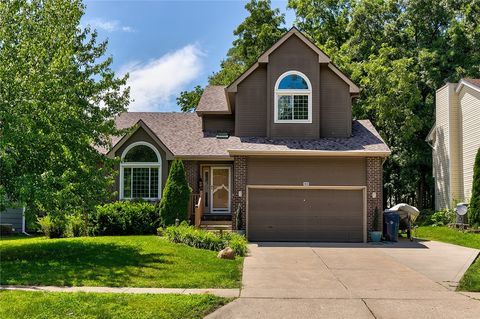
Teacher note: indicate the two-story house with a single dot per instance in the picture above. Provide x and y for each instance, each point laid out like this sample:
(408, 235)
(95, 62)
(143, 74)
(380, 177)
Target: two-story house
(277, 146)
(455, 139)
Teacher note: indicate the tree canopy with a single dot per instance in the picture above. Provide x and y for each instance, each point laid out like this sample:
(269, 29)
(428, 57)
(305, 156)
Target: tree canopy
(58, 102)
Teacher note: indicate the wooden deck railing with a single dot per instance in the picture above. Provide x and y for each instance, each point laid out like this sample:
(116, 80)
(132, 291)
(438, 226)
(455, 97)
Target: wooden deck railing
(196, 207)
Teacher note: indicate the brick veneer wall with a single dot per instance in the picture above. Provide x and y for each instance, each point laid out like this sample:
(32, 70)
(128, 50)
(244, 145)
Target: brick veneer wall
(374, 184)
(239, 184)
(192, 169)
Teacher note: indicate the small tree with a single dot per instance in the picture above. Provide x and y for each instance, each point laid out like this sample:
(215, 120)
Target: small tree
(176, 195)
(474, 208)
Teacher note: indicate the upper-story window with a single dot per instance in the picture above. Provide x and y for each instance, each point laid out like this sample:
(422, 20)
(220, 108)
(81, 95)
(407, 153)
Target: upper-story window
(140, 172)
(293, 98)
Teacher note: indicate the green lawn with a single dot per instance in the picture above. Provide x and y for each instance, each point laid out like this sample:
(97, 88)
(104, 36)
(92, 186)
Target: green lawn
(116, 261)
(51, 305)
(471, 279)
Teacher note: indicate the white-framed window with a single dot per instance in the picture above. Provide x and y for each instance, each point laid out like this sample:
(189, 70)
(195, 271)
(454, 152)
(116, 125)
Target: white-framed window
(293, 98)
(140, 172)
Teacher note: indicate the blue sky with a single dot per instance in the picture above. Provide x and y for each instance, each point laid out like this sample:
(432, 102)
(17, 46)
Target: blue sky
(167, 46)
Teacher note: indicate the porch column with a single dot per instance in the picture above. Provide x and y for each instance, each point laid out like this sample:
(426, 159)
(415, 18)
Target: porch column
(374, 189)
(239, 190)
(192, 170)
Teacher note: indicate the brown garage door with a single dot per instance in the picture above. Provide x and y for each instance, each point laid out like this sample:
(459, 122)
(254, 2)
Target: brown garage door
(305, 215)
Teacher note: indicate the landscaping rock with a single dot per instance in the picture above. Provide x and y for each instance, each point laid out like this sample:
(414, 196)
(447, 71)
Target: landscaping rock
(226, 253)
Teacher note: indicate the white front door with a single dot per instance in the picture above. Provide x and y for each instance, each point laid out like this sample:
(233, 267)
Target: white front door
(220, 189)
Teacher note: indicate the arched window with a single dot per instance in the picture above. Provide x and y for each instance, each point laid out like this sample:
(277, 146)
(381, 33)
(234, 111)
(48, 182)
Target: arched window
(293, 98)
(140, 172)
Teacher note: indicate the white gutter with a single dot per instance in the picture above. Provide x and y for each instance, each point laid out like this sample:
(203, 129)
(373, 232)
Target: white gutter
(310, 153)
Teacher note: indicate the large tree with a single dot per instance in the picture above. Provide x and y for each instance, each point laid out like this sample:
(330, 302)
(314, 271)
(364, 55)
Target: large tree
(58, 101)
(260, 30)
(400, 52)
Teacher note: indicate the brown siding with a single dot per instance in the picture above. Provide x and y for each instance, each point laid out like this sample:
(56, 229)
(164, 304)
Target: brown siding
(336, 105)
(251, 105)
(142, 136)
(218, 123)
(294, 54)
(316, 171)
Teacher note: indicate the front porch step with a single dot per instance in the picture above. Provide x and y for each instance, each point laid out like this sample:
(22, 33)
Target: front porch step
(216, 222)
(216, 217)
(216, 225)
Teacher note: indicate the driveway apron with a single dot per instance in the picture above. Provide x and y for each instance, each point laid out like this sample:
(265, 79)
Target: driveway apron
(315, 280)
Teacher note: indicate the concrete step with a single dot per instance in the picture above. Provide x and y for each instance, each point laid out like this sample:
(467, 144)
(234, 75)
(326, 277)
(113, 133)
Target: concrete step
(216, 227)
(216, 222)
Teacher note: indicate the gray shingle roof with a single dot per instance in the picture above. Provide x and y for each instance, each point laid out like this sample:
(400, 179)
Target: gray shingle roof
(213, 100)
(182, 135)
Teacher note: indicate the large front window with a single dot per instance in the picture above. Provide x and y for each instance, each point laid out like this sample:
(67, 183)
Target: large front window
(140, 173)
(293, 98)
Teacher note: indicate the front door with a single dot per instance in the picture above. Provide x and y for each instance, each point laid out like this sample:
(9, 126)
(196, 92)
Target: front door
(220, 189)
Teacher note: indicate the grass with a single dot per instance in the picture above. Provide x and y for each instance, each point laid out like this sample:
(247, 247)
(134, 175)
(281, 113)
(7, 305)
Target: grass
(471, 279)
(51, 305)
(116, 261)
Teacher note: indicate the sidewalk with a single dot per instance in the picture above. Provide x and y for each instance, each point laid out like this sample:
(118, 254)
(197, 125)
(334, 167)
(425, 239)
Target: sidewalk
(228, 293)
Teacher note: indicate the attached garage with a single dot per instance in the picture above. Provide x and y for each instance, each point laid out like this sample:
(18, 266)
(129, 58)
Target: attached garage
(286, 213)
(306, 199)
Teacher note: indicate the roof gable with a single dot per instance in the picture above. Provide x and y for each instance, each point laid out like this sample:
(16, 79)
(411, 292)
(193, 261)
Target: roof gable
(322, 58)
(471, 83)
(139, 125)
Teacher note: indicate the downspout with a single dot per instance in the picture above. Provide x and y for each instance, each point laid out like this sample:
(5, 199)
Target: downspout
(23, 222)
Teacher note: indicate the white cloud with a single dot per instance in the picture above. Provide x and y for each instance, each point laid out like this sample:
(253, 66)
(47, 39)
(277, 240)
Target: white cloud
(109, 25)
(155, 84)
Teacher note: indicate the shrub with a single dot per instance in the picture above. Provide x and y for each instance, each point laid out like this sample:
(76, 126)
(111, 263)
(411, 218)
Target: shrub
(125, 218)
(474, 207)
(54, 226)
(5, 230)
(75, 226)
(160, 231)
(198, 238)
(176, 195)
(443, 217)
(425, 217)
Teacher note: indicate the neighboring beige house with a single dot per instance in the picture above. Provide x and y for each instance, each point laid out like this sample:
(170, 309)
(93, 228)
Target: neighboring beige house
(455, 139)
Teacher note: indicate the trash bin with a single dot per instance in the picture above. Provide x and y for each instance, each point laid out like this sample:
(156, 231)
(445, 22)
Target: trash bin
(391, 223)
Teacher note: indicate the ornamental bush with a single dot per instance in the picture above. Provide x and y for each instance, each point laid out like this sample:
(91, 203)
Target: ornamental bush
(442, 217)
(125, 218)
(176, 195)
(62, 225)
(203, 239)
(474, 207)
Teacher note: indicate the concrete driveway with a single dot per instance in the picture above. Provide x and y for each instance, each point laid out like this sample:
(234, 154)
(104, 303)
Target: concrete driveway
(305, 280)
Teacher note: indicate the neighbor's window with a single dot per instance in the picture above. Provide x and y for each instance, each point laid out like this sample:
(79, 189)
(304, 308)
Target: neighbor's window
(140, 173)
(293, 98)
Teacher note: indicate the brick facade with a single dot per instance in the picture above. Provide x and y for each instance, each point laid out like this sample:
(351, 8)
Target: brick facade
(192, 169)
(239, 185)
(374, 185)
